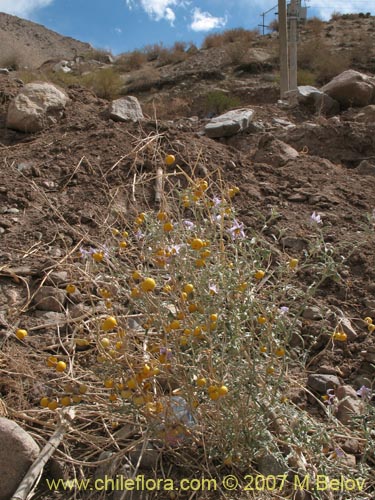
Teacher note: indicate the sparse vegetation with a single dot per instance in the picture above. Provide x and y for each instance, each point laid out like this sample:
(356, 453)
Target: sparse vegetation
(306, 77)
(130, 61)
(217, 102)
(106, 83)
(230, 36)
(100, 55)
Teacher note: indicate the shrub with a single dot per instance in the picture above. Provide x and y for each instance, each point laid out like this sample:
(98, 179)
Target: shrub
(11, 61)
(274, 25)
(175, 54)
(130, 61)
(217, 102)
(100, 55)
(315, 26)
(236, 52)
(230, 36)
(335, 15)
(106, 83)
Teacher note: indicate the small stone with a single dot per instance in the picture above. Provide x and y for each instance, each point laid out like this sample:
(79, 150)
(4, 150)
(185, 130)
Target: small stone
(296, 244)
(57, 278)
(365, 168)
(49, 298)
(126, 109)
(268, 465)
(13, 211)
(297, 197)
(349, 405)
(351, 446)
(321, 382)
(18, 450)
(2, 230)
(312, 313)
(148, 458)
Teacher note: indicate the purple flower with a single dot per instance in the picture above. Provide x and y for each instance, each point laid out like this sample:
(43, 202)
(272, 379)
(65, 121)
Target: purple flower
(284, 309)
(364, 392)
(139, 235)
(316, 218)
(216, 201)
(237, 230)
(331, 397)
(175, 249)
(212, 289)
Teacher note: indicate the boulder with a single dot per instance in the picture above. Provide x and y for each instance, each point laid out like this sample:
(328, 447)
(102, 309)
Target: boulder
(18, 450)
(274, 152)
(63, 66)
(37, 106)
(351, 89)
(366, 115)
(317, 100)
(229, 123)
(321, 382)
(365, 168)
(126, 109)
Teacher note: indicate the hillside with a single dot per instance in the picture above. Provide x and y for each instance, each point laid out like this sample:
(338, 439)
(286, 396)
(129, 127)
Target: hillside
(204, 307)
(30, 44)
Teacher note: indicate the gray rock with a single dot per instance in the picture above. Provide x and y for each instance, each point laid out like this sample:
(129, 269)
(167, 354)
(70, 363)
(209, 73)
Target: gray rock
(351, 88)
(274, 152)
(268, 465)
(294, 243)
(320, 382)
(49, 298)
(148, 458)
(37, 106)
(350, 405)
(4, 71)
(365, 168)
(126, 109)
(229, 123)
(57, 278)
(18, 450)
(319, 101)
(312, 313)
(366, 115)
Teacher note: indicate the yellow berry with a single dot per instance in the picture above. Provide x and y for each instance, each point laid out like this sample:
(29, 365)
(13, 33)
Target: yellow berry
(115, 232)
(105, 293)
(167, 227)
(242, 287)
(109, 324)
(170, 160)
(192, 308)
(189, 288)
(270, 370)
(148, 285)
(233, 191)
(162, 216)
(53, 405)
(126, 394)
(205, 254)
(280, 352)
(136, 275)
(98, 256)
(293, 263)
(183, 341)
(340, 336)
(123, 244)
(52, 361)
(368, 320)
(132, 383)
(175, 324)
(259, 275)
(66, 401)
(105, 342)
(109, 383)
(263, 349)
(112, 397)
(213, 317)
(199, 263)
(82, 389)
(44, 402)
(212, 388)
(371, 328)
(70, 288)
(60, 366)
(261, 320)
(201, 382)
(139, 400)
(135, 293)
(223, 390)
(21, 333)
(203, 185)
(76, 398)
(125, 234)
(196, 244)
(214, 395)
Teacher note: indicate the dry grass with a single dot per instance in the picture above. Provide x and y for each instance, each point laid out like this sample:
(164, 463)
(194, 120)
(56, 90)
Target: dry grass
(230, 36)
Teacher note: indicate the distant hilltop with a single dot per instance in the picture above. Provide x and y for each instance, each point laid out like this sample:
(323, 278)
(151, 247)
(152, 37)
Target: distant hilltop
(27, 44)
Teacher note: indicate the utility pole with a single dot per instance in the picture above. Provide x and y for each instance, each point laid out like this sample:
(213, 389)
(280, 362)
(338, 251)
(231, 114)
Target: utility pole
(293, 47)
(283, 49)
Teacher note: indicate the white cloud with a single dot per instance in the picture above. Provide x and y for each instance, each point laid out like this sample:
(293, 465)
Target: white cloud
(204, 21)
(325, 9)
(158, 9)
(22, 8)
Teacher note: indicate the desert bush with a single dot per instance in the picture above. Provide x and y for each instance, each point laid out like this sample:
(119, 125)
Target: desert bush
(130, 61)
(100, 55)
(141, 80)
(236, 52)
(315, 26)
(217, 102)
(12, 60)
(173, 55)
(229, 36)
(153, 51)
(335, 16)
(318, 58)
(106, 82)
(361, 54)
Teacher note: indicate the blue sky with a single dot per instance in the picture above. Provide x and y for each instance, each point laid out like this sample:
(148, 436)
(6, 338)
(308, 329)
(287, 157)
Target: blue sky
(123, 25)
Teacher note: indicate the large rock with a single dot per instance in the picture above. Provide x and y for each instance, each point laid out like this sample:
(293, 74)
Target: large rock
(317, 100)
(126, 109)
(274, 152)
(18, 450)
(37, 106)
(351, 88)
(229, 123)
